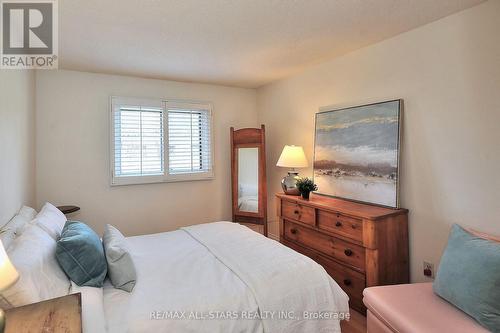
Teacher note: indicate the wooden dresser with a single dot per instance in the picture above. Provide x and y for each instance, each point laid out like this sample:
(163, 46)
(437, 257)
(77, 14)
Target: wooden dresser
(359, 245)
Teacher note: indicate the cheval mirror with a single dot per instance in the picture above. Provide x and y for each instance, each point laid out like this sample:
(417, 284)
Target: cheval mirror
(248, 176)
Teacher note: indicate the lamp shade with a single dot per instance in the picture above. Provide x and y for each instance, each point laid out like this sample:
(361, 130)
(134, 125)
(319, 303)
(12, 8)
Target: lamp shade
(292, 157)
(8, 274)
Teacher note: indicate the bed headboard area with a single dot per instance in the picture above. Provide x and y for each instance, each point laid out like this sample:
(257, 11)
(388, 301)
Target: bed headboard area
(17, 142)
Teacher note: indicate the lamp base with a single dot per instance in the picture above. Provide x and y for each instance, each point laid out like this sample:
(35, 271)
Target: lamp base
(289, 183)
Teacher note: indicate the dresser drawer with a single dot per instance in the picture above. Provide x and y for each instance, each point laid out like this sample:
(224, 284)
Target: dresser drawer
(341, 224)
(347, 252)
(351, 281)
(298, 212)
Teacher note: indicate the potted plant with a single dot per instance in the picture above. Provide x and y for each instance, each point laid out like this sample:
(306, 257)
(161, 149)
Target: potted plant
(306, 186)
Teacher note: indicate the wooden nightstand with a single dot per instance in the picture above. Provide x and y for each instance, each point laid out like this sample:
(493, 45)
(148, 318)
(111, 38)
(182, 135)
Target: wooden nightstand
(68, 209)
(58, 315)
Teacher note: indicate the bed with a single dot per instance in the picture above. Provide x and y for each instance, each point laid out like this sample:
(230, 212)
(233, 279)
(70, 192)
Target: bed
(215, 277)
(209, 276)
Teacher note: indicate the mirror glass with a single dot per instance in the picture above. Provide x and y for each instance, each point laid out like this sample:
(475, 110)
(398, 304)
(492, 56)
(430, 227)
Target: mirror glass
(248, 180)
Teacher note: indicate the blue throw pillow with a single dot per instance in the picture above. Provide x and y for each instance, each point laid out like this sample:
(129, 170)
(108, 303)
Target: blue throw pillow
(80, 254)
(469, 277)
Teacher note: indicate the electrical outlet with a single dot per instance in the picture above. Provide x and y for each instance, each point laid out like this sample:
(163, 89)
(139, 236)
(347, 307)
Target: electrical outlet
(429, 269)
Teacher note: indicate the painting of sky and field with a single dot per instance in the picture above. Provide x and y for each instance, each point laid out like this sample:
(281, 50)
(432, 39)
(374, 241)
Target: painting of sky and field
(356, 153)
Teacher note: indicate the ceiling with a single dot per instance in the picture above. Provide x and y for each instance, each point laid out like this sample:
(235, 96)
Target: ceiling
(246, 43)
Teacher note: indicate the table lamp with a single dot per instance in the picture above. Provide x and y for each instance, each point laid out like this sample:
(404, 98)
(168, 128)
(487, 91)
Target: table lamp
(8, 276)
(292, 157)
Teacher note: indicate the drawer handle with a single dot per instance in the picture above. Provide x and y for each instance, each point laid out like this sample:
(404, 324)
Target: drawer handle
(295, 211)
(338, 224)
(293, 231)
(347, 282)
(348, 252)
(353, 226)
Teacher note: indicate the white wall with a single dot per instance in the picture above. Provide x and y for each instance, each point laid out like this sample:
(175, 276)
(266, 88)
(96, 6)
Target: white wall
(17, 141)
(448, 73)
(72, 141)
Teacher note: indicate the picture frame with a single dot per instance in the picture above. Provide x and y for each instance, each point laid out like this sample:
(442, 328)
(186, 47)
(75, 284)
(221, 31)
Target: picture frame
(357, 152)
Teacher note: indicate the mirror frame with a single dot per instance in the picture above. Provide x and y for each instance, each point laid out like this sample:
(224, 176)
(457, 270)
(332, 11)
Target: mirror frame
(249, 138)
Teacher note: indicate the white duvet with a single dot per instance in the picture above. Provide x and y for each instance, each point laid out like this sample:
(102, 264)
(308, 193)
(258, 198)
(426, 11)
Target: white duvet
(218, 277)
(248, 204)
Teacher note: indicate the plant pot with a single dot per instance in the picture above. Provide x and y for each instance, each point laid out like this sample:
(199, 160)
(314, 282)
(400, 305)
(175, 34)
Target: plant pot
(305, 195)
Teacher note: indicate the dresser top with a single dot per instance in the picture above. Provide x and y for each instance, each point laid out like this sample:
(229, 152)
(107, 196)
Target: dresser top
(362, 210)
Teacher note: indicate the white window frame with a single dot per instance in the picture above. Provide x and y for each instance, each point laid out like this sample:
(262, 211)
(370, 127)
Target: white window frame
(166, 177)
(194, 105)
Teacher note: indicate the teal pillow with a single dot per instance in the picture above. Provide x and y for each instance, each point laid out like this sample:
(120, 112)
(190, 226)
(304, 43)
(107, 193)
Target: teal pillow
(80, 254)
(469, 277)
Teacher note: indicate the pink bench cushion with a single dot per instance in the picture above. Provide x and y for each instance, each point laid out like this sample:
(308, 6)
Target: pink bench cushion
(415, 308)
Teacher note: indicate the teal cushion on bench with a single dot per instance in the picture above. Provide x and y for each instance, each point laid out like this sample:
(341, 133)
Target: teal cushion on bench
(469, 277)
(80, 254)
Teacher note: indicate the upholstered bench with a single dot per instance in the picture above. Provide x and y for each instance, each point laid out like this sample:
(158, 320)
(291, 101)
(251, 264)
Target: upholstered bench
(415, 308)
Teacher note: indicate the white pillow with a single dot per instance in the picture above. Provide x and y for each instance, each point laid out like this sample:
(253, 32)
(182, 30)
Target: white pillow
(93, 319)
(51, 220)
(33, 256)
(121, 268)
(27, 212)
(15, 226)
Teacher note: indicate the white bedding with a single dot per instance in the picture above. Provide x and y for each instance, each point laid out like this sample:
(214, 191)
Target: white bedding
(248, 204)
(93, 316)
(178, 276)
(281, 280)
(176, 273)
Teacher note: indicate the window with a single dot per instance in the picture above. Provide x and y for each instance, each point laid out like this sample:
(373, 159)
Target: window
(160, 141)
(189, 148)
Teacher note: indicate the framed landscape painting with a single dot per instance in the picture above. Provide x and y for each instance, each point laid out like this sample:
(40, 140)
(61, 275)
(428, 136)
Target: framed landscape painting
(356, 153)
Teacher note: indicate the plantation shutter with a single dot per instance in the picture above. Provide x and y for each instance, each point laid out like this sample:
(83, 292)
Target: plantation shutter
(189, 138)
(138, 138)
